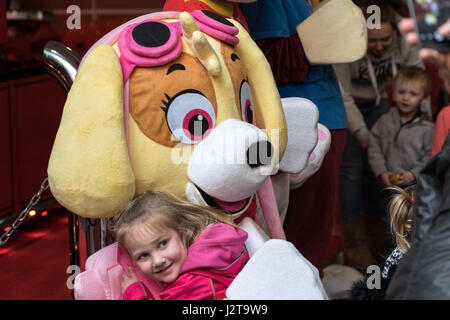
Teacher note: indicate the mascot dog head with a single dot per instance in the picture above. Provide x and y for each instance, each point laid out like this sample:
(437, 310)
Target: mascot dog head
(172, 101)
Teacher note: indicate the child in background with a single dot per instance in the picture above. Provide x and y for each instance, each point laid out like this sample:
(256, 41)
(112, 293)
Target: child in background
(194, 252)
(442, 126)
(400, 141)
(364, 85)
(400, 211)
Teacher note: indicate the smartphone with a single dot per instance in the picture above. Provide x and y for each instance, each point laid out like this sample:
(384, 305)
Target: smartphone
(429, 15)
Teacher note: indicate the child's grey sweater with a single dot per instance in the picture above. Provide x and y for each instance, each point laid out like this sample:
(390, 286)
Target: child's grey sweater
(395, 147)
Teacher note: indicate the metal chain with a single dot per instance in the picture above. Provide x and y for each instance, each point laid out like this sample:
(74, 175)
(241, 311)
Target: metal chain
(34, 200)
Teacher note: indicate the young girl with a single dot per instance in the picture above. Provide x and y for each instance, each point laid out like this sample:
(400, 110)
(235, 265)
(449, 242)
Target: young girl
(194, 252)
(401, 212)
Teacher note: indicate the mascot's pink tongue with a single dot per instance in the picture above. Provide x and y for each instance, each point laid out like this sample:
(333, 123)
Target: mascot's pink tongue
(269, 209)
(234, 206)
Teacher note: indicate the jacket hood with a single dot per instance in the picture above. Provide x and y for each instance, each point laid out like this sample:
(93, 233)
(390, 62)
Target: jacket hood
(218, 246)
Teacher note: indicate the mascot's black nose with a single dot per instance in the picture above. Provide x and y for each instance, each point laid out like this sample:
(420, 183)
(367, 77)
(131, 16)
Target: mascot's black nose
(259, 154)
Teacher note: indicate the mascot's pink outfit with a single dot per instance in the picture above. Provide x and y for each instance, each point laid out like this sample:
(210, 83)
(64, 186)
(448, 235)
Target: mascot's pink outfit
(213, 261)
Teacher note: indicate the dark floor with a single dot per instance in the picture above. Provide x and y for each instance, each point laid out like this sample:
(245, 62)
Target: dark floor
(34, 261)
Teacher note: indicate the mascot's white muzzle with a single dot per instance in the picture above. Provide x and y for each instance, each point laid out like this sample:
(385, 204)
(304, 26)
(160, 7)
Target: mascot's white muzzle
(233, 161)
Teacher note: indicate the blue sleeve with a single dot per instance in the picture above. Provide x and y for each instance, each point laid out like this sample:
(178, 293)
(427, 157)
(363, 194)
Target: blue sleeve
(274, 18)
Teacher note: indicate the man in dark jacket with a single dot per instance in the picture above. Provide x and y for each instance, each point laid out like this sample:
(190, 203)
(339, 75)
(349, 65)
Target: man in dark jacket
(424, 272)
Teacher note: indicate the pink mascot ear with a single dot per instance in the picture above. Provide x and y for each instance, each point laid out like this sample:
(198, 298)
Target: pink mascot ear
(102, 278)
(88, 286)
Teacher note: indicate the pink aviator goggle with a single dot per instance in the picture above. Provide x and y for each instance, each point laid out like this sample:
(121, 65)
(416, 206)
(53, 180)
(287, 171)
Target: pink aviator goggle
(151, 43)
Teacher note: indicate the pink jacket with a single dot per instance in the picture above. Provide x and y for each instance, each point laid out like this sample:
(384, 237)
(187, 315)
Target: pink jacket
(441, 130)
(213, 261)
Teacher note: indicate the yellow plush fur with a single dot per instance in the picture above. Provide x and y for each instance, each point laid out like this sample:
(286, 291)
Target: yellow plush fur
(90, 171)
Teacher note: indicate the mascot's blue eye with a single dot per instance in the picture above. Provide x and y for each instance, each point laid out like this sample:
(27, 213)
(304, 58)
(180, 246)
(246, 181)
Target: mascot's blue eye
(246, 100)
(190, 116)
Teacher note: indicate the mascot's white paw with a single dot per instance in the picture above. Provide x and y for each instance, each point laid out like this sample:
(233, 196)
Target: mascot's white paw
(302, 117)
(277, 271)
(315, 158)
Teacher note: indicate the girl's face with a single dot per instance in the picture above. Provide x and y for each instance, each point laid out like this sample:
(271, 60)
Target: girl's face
(159, 253)
(379, 40)
(409, 95)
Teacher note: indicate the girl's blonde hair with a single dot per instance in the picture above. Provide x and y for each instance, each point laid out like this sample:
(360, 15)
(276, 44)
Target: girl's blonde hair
(400, 210)
(163, 210)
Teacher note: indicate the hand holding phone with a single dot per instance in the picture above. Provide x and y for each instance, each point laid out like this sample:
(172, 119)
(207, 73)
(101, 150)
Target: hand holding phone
(429, 16)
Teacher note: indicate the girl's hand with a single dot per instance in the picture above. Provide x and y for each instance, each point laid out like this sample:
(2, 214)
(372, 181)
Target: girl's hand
(406, 177)
(384, 177)
(129, 280)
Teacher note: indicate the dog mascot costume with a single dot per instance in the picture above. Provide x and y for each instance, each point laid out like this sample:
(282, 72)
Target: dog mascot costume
(184, 102)
(300, 44)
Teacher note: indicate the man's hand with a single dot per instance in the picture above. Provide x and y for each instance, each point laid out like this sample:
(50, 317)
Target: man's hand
(406, 26)
(406, 178)
(129, 280)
